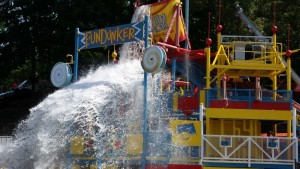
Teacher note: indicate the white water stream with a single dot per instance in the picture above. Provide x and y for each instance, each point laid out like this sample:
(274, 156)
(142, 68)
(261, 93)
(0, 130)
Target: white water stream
(104, 106)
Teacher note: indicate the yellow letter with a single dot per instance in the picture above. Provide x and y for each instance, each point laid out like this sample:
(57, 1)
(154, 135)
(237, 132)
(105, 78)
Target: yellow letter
(97, 36)
(119, 32)
(113, 36)
(125, 33)
(131, 33)
(87, 38)
(103, 40)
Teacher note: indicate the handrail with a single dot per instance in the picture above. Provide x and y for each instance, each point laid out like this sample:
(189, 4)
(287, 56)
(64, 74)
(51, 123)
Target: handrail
(249, 149)
(228, 39)
(249, 95)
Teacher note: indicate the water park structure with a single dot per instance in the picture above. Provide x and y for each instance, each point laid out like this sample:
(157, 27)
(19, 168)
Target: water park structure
(219, 124)
(212, 119)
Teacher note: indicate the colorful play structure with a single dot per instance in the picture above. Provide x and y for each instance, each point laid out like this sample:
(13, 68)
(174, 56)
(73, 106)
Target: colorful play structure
(218, 124)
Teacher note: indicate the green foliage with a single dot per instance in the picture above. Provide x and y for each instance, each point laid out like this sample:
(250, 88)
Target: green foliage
(38, 33)
(19, 74)
(41, 33)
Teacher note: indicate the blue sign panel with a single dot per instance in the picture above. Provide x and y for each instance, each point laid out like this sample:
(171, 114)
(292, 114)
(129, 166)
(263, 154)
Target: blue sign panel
(189, 128)
(111, 36)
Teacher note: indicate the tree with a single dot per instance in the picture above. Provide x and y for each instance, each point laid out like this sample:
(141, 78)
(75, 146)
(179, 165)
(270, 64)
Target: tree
(27, 39)
(37, 34)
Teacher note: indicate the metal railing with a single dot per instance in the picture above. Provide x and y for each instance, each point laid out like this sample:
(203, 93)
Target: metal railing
(250, 95)
(228, 39)
(248, 149)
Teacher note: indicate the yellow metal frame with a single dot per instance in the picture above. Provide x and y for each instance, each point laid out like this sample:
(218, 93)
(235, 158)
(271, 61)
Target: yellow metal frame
(258, 67)
(269, 65)
(250, 116)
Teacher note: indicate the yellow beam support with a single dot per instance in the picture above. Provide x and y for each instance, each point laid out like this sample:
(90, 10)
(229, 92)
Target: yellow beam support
(276, 73)
(219, 76)
(289, 77)
(207, 50)
(274, 40)
(245, 73)
(221, 54)
(274, 79)
(247, 66)
(248, 114)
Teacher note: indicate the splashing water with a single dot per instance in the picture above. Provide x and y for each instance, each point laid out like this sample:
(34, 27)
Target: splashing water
(107, 99)
(104, 107)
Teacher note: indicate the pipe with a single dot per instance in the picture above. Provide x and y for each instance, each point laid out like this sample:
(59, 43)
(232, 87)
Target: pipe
(76, 54)
(246, 20)
(21, 86)
(251, 26)
(145, 134)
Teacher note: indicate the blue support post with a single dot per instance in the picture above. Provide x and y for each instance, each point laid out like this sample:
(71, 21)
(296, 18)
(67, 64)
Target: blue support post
(145, 97)
(76, 55)
(173, 73)
(186, 14)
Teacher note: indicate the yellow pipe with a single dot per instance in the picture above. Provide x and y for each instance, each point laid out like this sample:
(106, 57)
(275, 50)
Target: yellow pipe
(274, 87)
(219, 39)
(289, 74)
(274, 40)
(72, 60)
(219, 62)
(274, 79)
(207, 49)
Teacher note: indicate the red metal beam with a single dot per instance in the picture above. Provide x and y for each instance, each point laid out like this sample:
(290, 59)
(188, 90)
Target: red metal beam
(180, 53)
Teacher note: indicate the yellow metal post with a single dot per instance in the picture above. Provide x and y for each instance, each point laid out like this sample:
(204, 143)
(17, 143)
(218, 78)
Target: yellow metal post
(289, 74)
(274, 79)
(219, 39)
(219, 63)
(207, 49)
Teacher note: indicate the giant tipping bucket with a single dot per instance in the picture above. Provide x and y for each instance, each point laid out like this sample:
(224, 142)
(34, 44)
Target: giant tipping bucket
(61, 74)
(154, 59)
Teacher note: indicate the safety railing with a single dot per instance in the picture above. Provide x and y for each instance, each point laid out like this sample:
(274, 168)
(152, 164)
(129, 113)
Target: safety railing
(249, 149)
(227, 39)
(249, 95)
